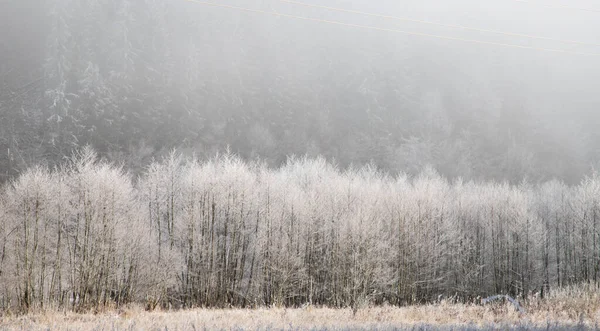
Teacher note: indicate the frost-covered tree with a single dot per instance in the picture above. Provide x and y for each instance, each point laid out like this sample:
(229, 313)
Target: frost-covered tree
(224, 232)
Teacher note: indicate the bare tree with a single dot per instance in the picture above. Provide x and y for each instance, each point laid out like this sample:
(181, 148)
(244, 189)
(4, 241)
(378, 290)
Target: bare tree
(224, 232)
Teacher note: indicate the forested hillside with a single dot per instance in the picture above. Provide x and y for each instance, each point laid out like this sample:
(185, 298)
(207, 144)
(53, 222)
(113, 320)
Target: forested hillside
(135, 79)
(223, 232)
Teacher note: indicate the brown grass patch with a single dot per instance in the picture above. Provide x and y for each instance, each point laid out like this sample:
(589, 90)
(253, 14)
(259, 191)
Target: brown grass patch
(563, 310)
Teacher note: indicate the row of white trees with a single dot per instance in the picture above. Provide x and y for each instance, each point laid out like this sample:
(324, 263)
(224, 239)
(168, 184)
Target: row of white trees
(226, 232)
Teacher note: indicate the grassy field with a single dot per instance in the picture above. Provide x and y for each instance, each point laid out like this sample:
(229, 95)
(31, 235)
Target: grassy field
(443, 316)
(575, 308)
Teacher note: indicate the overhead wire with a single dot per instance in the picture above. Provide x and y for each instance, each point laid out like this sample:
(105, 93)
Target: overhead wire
(558, 6)
(420, 34)
(436, 23)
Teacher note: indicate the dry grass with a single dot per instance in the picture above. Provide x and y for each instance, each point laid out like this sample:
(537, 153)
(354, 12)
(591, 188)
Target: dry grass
(576, 308)
(565, 311)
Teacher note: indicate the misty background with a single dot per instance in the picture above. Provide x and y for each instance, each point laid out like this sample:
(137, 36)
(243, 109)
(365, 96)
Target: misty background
(135, 79)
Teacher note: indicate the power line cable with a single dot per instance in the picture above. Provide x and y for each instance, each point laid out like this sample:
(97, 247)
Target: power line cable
(558, 6)
(437, 24)
(390, 30)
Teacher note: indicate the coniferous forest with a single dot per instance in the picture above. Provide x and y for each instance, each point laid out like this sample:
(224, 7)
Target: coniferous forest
(135, 79)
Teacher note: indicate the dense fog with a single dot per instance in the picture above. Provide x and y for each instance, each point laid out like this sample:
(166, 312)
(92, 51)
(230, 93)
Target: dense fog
(185, 153)
(135, 79)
